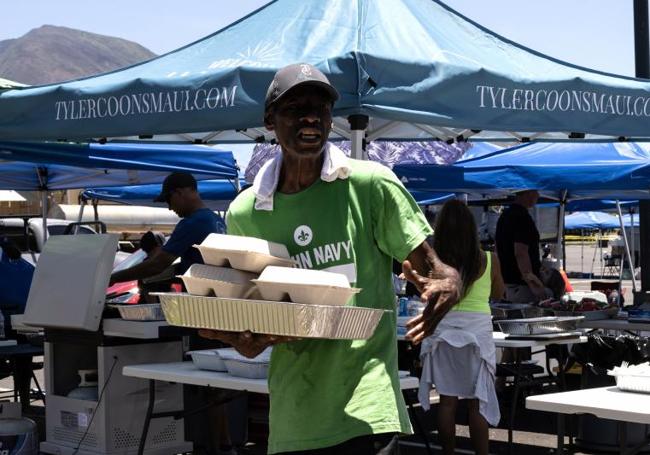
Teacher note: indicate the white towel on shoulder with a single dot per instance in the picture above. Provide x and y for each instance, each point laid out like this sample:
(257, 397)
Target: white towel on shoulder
(335, 166)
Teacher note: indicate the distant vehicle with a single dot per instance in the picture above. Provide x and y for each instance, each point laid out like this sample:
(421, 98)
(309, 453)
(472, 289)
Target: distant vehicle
(27, 234)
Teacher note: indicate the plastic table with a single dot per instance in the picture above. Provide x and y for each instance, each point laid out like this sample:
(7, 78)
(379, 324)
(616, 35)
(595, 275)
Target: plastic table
(187, 373)
(604, 402)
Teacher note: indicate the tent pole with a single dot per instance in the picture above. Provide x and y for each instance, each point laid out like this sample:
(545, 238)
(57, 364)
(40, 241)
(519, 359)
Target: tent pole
(358, 125)
(627, 247)
(632, 234)
(82, 205)
(582, 251)
(44, 210)
(560, 233)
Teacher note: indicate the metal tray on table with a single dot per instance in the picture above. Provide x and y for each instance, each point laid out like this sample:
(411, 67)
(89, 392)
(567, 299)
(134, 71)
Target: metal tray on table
(537, 326)
(140, 312)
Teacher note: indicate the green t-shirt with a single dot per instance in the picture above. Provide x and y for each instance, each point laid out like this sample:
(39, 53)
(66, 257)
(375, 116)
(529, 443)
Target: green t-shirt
(324, 392)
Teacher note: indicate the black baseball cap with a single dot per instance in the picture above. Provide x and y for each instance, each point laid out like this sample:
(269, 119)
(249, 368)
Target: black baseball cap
(174, 181)
(294, 75)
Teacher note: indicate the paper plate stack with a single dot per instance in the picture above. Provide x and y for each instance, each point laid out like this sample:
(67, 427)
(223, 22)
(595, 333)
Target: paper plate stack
(250, 284)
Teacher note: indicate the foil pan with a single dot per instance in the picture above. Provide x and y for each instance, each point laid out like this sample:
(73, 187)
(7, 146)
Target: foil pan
(268, 317)
(141, 312)
(538, 326)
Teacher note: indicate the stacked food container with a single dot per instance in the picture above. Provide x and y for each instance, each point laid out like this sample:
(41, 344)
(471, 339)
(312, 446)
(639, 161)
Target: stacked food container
(249, 284)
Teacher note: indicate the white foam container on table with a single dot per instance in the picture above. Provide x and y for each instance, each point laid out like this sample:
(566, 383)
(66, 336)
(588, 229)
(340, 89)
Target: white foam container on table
(243, 367)
(273, 318)
(314, 287)
(202, 279)
(243, 253)
(632, 382)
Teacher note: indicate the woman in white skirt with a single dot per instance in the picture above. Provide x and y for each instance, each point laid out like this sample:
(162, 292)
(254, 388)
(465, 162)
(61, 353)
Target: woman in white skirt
(459, 358)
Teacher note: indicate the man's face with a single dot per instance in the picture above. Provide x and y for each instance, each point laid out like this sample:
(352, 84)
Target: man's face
(177, 201)
(528, 198)
(302, 120)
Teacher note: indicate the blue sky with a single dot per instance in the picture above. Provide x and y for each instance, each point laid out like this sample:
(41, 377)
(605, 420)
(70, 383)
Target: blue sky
(594, 33)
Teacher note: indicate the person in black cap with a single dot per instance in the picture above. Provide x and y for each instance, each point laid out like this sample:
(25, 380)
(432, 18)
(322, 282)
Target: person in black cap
(351, 217)
(179, 192)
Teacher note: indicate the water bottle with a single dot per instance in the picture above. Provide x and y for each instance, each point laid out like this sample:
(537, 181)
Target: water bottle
(414, 307)
(402, 306)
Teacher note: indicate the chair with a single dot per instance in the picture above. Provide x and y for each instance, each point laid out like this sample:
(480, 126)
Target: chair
(612, 265)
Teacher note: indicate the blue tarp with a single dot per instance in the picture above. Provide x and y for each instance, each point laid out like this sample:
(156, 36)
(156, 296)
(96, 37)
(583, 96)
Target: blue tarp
(414, 62)
(217, 194)
(583, 170)
(591, 221)
(34, 166)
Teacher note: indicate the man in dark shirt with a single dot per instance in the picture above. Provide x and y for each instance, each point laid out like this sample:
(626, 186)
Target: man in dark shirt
(179, 191)
(517, 242)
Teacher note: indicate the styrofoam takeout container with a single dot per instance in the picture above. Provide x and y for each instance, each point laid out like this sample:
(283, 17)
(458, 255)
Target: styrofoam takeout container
(243, 253)
(632, 382)
(273, 318)
(202, 279)
(243, 367)
(314, 287)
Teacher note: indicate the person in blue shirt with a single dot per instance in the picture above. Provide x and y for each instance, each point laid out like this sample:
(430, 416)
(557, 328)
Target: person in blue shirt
(180, 192)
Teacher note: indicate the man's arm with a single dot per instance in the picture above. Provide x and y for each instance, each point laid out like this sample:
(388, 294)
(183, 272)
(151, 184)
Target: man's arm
(440, 287)
(158, 262)
(498, 288)
(526, 270)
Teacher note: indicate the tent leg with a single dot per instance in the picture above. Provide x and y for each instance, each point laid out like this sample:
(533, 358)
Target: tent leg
(582, 252)
(627, 247)
(45, 210)
(82, 205)
(560, 235)
(358, 125)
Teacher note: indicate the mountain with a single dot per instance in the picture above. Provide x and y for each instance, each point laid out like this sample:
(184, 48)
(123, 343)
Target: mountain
(54, 54)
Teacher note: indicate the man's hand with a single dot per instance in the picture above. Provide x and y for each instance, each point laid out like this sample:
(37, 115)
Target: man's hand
(535, 285)
(440, 288)
(246, 343)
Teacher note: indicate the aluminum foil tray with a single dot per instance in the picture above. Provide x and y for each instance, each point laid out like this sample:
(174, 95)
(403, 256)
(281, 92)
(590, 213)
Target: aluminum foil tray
(595, 315)
(535, 326)
(515, 310)
(141, 312)
(273, 318)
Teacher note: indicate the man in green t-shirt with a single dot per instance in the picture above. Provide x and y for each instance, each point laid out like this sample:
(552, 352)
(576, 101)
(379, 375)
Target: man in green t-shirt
(346, 216)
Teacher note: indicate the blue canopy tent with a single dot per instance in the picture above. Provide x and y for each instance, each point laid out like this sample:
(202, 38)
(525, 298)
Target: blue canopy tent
(562, 171)
(590, 221)
(60, 165)
(46, 167)
(405, 69)
(217, 194)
